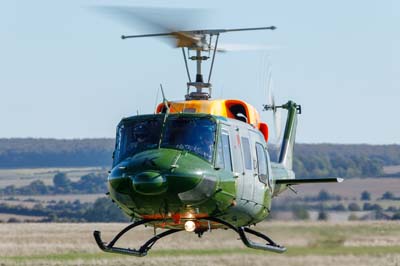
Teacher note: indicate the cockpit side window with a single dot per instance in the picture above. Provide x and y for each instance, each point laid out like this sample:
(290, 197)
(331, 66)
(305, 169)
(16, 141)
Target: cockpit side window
(224, 159)
(226, 150)
(136, 136)
(194, 134)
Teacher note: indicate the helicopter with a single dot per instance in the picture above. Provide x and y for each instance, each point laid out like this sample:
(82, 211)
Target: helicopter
(200, 164)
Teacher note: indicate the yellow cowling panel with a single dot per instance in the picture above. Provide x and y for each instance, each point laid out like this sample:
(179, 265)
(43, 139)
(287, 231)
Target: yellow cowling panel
(213, 107)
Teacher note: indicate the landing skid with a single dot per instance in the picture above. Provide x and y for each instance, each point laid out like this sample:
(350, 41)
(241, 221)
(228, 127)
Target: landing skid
(142, 251)
(269, 246)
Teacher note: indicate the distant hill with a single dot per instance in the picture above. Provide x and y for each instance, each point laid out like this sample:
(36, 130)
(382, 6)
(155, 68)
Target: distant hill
(311, 160)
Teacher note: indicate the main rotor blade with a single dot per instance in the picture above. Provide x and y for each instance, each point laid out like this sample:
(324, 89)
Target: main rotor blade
(216, 31)
(146, 35)
(164, 21)
(236, 47)
(199, 32)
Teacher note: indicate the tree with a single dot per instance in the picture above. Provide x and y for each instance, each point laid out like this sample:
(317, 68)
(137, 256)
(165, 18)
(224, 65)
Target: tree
(91, 183)
(365, 195)
(388, 196)
(323, 216)
(61, 182)
(354, 207)
(104, 210)
(37, 187)
(323, 196)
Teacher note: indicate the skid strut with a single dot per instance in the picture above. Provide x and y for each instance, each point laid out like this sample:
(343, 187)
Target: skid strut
(142, 251)
(269, 246)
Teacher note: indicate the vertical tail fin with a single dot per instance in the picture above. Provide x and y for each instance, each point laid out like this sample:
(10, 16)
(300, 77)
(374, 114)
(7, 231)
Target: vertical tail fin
(286, 154)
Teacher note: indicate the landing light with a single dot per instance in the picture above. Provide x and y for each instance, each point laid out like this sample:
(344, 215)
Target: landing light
(190, 226)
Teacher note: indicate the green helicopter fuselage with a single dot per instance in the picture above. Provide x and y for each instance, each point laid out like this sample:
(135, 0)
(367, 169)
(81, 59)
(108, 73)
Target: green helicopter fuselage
(177, 167)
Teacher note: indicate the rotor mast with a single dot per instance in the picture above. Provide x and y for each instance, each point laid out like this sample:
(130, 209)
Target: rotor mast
(196, 40)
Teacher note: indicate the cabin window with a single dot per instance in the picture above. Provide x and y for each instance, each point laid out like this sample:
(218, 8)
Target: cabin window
(224, 152)
(193, 134)
(136, 136)
(246, 153)
(262, 163)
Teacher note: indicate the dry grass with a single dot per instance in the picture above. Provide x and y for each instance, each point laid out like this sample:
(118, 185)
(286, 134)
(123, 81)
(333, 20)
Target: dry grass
(350, 243)
(351, 188)
(4, 217)
(391, 169)
(67, 197)
(222, 260)
(23, 176)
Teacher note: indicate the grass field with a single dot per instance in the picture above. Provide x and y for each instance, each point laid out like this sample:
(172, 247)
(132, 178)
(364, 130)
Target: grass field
(23, 176)
(351, 188)
(350, 243)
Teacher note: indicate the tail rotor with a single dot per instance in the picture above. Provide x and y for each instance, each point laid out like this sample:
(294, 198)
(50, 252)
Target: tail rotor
(276, 110)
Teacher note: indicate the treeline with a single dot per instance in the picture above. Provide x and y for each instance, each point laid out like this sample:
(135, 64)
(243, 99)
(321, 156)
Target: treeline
(337, 165)
(343, 160)
(323, 160)
(311, 160)
(30, 153)
(87, 184)
(102, 210)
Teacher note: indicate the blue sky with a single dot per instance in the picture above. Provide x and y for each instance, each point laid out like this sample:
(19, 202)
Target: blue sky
(65, 73)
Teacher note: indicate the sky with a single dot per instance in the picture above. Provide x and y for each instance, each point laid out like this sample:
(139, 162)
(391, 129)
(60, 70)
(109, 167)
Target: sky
(65, 72)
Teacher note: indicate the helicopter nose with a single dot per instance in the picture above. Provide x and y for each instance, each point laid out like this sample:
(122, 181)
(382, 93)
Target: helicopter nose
(149, 183)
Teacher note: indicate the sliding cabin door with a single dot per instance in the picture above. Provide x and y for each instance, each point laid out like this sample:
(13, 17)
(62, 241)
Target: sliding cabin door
(248, 169)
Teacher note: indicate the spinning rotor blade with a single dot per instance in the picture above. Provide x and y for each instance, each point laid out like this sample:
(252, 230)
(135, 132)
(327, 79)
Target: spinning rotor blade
(168, 22)
(235, 47)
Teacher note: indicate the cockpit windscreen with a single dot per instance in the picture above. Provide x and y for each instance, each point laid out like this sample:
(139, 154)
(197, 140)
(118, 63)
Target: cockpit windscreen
(195, 135)
(137, 136)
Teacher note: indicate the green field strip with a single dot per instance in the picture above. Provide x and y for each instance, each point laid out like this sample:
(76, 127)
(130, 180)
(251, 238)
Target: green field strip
(292, 251)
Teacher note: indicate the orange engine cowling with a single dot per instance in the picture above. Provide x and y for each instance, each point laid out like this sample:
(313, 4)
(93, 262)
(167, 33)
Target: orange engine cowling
(235, 109)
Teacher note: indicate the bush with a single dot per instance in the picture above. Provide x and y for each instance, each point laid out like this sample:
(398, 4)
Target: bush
(300, 213)
(339, 208)
(13, 220)
(388, 196)
(396, 216)
(353, 217)
(372, 207)
(323, 216)
(391, 209)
